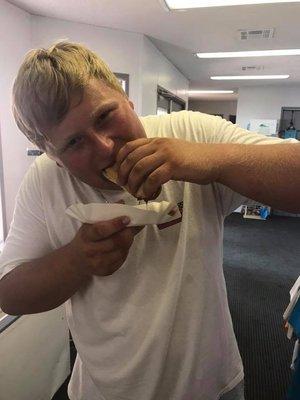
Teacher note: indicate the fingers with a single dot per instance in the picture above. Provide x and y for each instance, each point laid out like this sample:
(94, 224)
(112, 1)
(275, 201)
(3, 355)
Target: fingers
(135, 159)
(138, 161)
(128, 148)
(143, 170)
(106, 256)
(120, 240)
(101, 248)
(103, 229)
(151, 186)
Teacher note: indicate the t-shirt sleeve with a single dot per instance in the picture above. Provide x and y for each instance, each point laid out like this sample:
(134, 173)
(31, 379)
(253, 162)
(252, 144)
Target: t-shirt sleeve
(28, 236)
(212, 129)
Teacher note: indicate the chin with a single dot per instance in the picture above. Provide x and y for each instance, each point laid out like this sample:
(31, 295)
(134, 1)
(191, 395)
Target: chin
(111, 186)
(104, 184)
(99, 182)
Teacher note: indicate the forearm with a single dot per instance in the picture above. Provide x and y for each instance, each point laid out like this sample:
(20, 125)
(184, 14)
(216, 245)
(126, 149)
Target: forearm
(269, 174)
(42, 284)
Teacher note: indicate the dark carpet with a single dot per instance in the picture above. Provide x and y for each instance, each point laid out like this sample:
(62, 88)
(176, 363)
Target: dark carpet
(261, 263)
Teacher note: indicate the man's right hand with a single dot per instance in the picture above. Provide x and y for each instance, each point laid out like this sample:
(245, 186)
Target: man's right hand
(45, 283)
(101, 248)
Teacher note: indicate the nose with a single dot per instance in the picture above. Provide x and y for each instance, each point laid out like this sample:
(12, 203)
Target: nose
(103, 143)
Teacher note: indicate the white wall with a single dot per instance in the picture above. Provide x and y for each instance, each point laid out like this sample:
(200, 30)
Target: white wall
(265, 102)
(214, 107)
(15, 34)
(156, 69)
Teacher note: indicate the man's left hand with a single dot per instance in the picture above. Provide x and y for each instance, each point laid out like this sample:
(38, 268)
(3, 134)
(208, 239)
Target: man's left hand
(145, 164)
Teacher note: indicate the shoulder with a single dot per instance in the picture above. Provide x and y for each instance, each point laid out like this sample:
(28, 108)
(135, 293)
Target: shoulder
(189, 125)
(44, 164)
(177, 116)
(45, 168)
(42, 173)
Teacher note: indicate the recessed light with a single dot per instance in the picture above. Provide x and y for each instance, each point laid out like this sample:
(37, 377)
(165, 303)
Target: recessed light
(209, 91)
(185, 4)
(246, 77)
(259, 53)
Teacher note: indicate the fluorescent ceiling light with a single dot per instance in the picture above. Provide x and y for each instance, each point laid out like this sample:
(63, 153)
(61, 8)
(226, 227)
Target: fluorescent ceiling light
(259, 53)
(209, 91)
(185, 4)
(246, 77)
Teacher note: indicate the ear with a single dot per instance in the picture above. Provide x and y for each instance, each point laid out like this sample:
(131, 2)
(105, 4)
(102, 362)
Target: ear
(131, 104)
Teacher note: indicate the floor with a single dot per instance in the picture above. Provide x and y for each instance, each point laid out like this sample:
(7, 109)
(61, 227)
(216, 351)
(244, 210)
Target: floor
(261, 263)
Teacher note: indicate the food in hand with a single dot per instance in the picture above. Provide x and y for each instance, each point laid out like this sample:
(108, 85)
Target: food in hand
(111, 174)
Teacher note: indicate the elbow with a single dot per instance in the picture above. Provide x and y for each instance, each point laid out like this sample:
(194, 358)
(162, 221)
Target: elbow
(9, 310)
(6, 300)
(7, 306)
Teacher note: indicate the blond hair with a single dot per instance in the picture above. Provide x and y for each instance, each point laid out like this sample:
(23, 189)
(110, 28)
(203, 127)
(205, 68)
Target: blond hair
(48, 80)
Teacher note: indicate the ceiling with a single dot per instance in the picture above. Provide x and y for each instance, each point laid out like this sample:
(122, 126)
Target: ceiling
(179, 34)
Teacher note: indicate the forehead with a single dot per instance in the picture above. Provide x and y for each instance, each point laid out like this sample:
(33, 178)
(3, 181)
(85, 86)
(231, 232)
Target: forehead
(94, 93)
(82, 109)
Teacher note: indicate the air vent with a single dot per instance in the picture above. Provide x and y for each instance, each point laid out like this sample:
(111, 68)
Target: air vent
(248, 34)
(253, 68)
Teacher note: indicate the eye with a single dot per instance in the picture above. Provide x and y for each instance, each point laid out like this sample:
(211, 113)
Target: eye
(102, 117)
(75, 141)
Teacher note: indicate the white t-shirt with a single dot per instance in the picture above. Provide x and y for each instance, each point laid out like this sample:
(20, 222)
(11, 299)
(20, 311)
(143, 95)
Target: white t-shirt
(159, 328)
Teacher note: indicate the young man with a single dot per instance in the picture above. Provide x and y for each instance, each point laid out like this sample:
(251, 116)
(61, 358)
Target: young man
(147, 308)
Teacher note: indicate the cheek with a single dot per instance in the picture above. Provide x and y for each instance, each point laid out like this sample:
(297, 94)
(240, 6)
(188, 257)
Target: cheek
(76, 164)
(130, 128)
(122, 126)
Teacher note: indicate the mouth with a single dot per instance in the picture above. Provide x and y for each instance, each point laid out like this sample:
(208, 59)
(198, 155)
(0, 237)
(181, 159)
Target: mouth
(105, 178)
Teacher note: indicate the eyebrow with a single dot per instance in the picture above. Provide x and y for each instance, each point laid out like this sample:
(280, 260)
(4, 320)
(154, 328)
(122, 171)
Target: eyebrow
(93, 116)
(104, 107)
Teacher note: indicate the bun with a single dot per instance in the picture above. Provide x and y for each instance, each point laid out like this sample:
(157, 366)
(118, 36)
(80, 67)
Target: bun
(111, 174)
